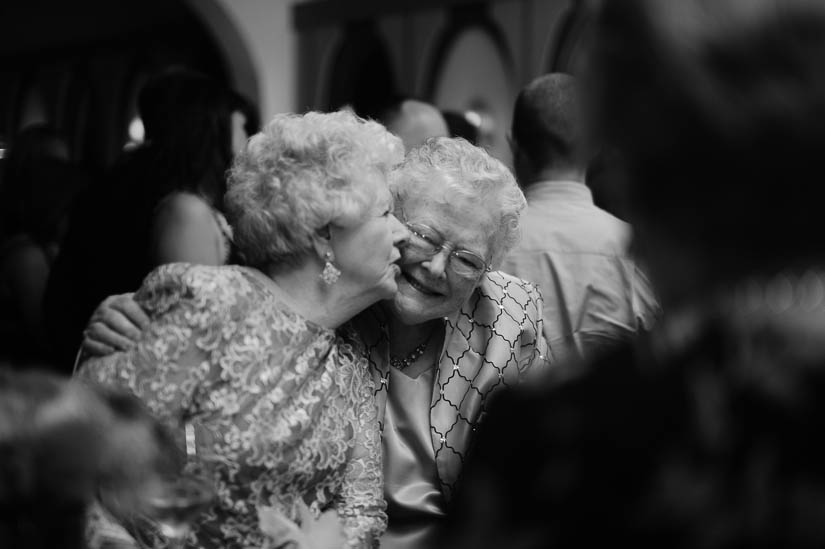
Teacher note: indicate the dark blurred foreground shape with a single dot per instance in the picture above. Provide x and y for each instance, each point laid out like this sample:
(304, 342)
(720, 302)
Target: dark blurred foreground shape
(707, 433)
(61, 443)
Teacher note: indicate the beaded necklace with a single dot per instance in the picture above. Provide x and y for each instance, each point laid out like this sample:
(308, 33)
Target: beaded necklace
(415, 354)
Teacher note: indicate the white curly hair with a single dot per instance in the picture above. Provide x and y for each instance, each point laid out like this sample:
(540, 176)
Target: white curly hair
(301, 173)
(453, 171)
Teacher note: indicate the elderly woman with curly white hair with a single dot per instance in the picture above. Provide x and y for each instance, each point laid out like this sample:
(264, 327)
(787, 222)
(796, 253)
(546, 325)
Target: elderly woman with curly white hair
(282, 408)
(455, 333)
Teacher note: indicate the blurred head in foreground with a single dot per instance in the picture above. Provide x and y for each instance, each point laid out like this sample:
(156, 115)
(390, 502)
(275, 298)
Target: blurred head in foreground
(718, 110)
(706, 435)
(60, 443)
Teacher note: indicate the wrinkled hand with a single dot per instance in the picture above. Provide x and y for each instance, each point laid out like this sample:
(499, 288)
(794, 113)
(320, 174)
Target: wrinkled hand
(115, 325)
(325, 532)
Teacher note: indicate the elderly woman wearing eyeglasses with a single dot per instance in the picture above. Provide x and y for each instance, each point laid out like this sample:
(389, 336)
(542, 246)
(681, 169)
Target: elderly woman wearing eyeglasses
(456, 332)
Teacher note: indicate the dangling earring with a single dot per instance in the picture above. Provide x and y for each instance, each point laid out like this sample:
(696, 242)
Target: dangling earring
(330, 273)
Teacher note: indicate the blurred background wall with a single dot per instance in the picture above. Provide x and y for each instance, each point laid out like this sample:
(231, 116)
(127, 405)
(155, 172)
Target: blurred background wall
(79, 64)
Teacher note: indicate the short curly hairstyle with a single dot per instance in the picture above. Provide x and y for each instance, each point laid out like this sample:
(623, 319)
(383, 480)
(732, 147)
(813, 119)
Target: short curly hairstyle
(301, 173)
(453, 171)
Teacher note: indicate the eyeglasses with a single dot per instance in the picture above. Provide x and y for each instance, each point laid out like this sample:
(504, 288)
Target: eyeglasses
(426, 242)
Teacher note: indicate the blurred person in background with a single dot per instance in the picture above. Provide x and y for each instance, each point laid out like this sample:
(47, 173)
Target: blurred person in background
(39, 183)
(412, 120)
(61, 444)
(578, 254)
(160, 203)
(707, 433)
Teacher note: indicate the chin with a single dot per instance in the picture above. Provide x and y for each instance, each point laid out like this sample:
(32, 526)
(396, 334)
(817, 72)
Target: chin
(387, 289)
(410, 311)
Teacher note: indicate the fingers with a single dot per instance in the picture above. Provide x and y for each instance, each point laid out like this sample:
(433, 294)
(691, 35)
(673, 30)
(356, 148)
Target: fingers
(100, 339)
(96, 348)
(118, 316)
(126, 304)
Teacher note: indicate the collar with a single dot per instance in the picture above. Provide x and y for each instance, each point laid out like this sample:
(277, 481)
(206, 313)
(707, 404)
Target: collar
(567, 191)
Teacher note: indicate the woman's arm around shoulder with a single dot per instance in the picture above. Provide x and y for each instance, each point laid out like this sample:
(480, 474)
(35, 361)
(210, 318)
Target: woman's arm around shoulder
(190, 313)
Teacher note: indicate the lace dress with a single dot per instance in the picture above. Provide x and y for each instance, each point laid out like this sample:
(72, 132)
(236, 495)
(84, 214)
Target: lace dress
(283, 407)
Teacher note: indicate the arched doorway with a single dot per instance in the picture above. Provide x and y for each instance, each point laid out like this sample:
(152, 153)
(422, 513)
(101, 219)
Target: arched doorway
(229, 38)
(473, 74)
(82, 61)
(362, 75)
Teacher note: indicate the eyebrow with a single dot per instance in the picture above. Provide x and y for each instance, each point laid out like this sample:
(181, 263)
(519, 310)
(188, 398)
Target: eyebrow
(441, 235)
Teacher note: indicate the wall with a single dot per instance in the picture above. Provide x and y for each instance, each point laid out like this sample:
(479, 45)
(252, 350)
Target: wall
(462, 55)
(258, 41)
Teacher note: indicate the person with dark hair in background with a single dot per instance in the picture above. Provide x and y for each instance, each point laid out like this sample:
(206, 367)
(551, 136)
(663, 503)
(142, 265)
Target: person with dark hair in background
(160, 203)
(708, 432)
(39, 184)
(578, 254)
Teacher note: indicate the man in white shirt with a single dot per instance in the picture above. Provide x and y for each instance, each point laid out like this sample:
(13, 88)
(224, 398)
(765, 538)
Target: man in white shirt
(577, 253)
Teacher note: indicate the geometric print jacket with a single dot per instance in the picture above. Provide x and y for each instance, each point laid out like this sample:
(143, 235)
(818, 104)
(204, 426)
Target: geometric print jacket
(494, 341)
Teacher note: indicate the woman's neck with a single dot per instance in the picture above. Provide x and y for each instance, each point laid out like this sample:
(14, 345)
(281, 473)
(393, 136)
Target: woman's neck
(406, 337)
(330, 306)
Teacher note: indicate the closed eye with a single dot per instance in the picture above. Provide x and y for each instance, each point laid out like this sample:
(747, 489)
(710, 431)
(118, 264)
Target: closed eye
(428, 239)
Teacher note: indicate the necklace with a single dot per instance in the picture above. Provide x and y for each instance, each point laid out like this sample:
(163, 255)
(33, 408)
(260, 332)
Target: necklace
(415, 354)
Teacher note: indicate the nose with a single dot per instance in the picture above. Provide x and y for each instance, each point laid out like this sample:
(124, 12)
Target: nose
(437, 264)
(400, 233)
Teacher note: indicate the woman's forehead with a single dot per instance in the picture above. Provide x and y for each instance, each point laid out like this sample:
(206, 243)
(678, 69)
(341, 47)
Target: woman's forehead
(463, 221)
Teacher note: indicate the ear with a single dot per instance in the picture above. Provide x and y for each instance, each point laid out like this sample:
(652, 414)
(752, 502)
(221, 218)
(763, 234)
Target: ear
(322, 241)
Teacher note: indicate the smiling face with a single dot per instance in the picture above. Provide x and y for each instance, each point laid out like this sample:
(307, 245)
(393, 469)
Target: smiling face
(427, 289)
(368, 251)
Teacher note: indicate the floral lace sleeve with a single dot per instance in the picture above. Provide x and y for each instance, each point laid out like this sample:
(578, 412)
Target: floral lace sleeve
(360, 503)
(170, 367)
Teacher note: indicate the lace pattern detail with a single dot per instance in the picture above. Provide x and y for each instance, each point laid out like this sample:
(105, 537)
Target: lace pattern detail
(284, 408)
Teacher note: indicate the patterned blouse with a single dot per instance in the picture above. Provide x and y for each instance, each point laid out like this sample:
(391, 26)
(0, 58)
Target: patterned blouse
(283, 408)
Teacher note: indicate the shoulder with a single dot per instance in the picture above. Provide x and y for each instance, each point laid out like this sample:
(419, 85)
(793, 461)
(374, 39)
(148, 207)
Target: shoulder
(502, 300)
(183, 206)
(22, 257)
(201, 286)
(617, 234)
(22, 249)
(498, 285)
